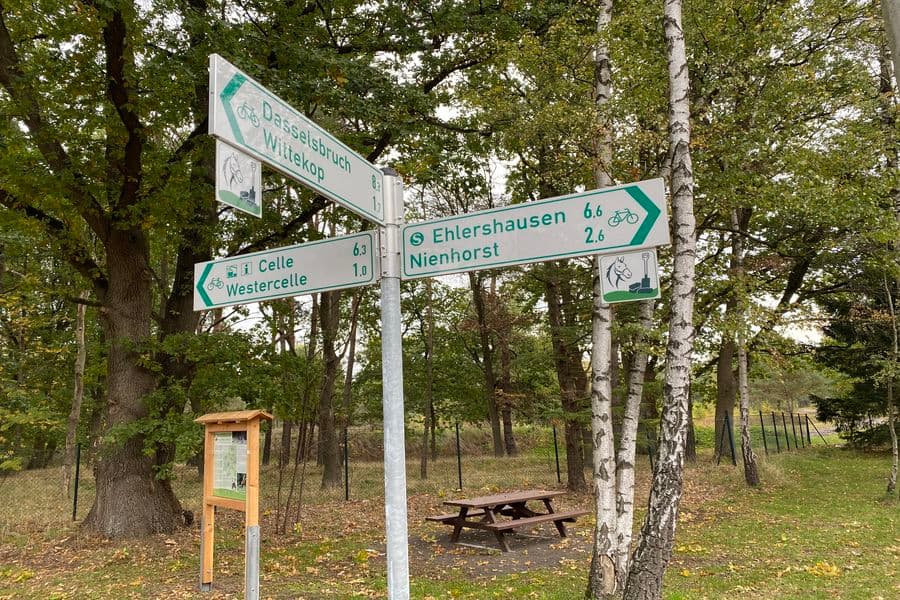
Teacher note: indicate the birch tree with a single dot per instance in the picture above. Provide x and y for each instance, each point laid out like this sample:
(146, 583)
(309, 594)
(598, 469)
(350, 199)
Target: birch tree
(657, 535)
(602, 580)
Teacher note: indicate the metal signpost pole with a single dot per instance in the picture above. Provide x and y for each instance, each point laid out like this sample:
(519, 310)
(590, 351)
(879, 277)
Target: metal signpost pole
(392, 381)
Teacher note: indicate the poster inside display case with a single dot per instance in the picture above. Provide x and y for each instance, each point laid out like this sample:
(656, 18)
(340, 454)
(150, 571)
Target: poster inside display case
(230, 465)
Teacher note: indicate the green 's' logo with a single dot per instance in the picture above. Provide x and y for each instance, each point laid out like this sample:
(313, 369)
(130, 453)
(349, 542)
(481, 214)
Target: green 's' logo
(417, 238)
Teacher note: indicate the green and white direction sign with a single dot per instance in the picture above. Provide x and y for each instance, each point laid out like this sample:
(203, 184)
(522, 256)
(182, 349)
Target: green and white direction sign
(629, 276)
(329, 264)
(250, 117)
(593, 222)
(238, 179)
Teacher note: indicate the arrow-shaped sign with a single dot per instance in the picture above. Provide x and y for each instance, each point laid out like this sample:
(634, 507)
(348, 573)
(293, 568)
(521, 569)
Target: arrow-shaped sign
(628, 216)
(250, 117)
(329, 264)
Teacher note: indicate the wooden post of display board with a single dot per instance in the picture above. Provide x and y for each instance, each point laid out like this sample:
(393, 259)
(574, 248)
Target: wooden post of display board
(231, 480)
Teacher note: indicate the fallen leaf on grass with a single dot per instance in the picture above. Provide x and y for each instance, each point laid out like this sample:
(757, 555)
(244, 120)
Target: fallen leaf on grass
(824, 569)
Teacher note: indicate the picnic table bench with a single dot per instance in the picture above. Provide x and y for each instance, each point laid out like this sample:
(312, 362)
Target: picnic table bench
(483, 512)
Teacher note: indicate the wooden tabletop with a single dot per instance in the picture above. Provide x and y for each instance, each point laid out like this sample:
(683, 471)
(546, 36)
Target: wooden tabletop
(500, 499)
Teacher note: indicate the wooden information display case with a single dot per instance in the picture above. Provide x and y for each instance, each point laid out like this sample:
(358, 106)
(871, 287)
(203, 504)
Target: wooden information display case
(231, 480)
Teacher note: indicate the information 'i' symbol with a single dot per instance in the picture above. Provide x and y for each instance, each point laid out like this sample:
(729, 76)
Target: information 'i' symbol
(417, 238)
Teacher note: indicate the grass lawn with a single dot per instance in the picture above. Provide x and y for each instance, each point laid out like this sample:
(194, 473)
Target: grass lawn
(820, 527)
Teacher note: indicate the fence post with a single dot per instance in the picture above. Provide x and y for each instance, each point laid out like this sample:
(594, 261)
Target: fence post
(800, 422)
(819, 432)
(808, 439)
(794, 429)
(775, 427)
(346, 467)
(458, 457)
(729, 426)
(763, 427)
(77, 475)
(556, 453)
(787, 440)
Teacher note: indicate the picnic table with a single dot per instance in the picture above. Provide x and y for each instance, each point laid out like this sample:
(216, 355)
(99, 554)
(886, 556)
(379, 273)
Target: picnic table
(485, 513)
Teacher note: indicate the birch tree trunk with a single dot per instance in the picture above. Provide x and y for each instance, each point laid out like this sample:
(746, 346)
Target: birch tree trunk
(628, 445)
(602, 579)
(751, 472)
(657, 536)
(77, 396)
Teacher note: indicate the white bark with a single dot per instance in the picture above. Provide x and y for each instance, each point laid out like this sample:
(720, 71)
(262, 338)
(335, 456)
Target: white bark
(603, 579)
(628, 446)
(657, 536)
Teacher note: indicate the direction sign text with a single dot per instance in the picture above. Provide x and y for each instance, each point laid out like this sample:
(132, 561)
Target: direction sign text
(592, 222)
(250, 117)
(329, 264)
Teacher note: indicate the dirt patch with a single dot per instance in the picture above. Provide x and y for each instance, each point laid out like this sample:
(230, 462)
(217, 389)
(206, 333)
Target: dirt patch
(432, 555)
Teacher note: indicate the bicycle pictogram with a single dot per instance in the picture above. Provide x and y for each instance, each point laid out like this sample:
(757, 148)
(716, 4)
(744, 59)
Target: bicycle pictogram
(245, 111)
(215, 282)
(623, 216)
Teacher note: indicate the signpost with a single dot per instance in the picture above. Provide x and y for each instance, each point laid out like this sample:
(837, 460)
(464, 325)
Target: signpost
(329, 264)
(629, 276)
(238, 179)
(247, 117)
(252, 118)
(628, 216)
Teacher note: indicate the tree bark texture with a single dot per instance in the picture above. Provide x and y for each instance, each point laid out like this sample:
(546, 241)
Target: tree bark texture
(569, 372)
(726, 387)
(628, 445)
(130, 500)
(657, 535)
(603, 579)
(330, 314)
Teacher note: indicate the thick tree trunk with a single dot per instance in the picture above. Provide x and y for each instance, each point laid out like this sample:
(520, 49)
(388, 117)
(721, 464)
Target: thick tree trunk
(487, 358)
(726, 389)
(603, 579)
(130, 500)
(657, 536)
(330, 312)
(77, 396)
